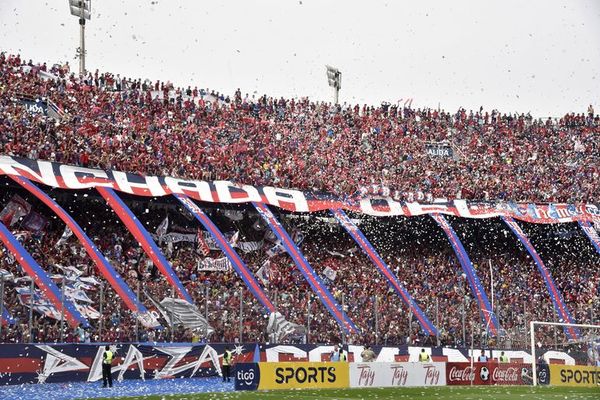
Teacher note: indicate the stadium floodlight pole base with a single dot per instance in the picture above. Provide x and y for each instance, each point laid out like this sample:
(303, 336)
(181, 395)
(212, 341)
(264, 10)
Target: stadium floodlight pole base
(532, 325)
(82, 46)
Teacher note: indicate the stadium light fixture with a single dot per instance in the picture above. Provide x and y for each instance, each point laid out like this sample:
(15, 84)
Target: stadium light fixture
(334, 78)
(81, 9)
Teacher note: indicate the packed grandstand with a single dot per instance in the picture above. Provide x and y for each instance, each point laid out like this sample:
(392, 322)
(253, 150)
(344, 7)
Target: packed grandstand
(152, 128)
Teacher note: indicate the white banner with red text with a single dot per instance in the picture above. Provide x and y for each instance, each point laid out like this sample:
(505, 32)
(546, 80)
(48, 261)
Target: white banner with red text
(75, 177)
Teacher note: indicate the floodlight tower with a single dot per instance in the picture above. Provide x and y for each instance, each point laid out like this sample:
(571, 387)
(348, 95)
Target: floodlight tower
(334, 77)
(83, 10)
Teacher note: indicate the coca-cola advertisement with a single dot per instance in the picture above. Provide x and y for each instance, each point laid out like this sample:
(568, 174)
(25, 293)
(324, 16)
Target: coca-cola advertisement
(490, 373)
(509, 374)
(462, 374)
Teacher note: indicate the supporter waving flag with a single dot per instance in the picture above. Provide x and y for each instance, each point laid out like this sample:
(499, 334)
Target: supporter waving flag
(162, 228)
(41, 278)
(202, 245)
(67, 233)
(591, 233)
(5, 317)
(15, 209)
(105, 268)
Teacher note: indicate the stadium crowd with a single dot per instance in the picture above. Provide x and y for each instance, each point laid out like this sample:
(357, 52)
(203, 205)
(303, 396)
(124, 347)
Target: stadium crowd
(420, 257)
(114, 122)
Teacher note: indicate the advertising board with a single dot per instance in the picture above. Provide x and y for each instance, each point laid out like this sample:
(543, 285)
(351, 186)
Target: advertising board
(490, 373)
(574, 375)
(379, 374)
(303, 375)
(247, 376)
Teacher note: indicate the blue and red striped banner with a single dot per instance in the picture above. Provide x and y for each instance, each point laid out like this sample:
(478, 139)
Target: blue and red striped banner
(555, 295)
(143, 237)
(487, 314)
(105, 268)
(591, 233)
(40, 277)
(231, 254)
(392, 279)
(309, 273)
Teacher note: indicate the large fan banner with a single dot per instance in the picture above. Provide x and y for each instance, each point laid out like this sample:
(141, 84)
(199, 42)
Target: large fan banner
(75, 177)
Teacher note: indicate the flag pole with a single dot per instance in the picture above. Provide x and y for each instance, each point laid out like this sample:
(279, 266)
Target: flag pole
(410, 318)
(471, 375)
(464, 328)
(308, 320)
(137, 320)
(101, 312)
(62, 310)
(171, 316)
(31, 294)
(1, 304)
(241, 315)
(376, 322)
(206, 311)
(437, 320)
(491, 283)
(344, 310)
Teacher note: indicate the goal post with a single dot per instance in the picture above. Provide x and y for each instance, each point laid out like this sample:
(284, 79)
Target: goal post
(532, 325)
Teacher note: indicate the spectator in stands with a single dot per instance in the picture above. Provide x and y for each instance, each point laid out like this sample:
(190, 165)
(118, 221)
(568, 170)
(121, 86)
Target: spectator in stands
(346, 150)
(108, 121)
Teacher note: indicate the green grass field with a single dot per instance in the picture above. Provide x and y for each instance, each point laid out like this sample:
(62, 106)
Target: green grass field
(444, 392)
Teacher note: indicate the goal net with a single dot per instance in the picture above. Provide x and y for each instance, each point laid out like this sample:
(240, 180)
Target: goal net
(550, 345)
